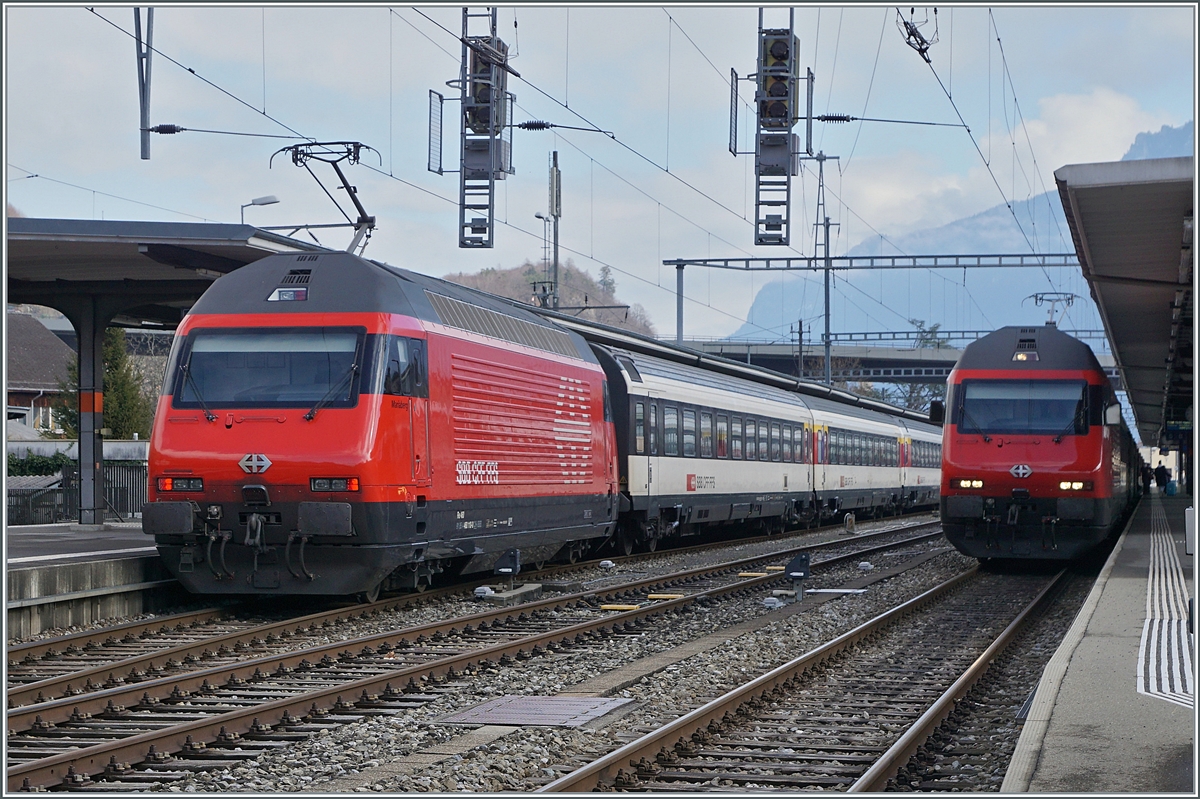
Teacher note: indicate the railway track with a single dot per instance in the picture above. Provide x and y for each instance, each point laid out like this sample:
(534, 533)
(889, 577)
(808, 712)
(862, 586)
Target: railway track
(847, 715)
(256, 701)
(213, 637)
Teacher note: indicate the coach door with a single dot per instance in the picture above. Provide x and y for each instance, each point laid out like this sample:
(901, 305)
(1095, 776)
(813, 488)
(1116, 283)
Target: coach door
(642, 460)
(406, 382)
(419, 412)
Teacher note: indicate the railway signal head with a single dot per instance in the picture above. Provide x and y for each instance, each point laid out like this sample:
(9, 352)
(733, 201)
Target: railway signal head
(778, 64)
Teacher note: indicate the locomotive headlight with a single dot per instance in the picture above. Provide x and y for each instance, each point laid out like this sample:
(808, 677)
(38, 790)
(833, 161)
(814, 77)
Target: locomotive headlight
(970, 483)
(333, 483)
(179, 483)
(1075, 485)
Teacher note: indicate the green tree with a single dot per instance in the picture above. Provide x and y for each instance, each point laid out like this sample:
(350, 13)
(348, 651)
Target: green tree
(127, 408)
(607, 283)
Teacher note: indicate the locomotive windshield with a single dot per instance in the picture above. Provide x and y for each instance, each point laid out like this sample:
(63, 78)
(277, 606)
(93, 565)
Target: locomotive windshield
(269, 368)
(1050, 407)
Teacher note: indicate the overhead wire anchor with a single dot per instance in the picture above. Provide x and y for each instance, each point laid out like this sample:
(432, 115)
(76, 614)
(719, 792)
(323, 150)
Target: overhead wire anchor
(912, 32)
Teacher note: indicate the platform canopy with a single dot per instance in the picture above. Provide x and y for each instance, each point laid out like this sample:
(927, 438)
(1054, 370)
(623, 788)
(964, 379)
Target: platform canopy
(1131, 222)
(158, 268)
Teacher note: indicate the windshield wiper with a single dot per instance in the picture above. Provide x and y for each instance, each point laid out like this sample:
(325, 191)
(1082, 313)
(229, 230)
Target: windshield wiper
(329, 394)
(967, 415)
(187, 375)
(1070, 428)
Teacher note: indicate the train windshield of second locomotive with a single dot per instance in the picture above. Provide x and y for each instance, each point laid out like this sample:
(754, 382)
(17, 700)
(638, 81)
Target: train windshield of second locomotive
(1050, 407)
(269, 367)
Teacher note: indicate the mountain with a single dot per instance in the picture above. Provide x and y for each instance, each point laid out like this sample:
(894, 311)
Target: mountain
(957, 299)
(1168, 142)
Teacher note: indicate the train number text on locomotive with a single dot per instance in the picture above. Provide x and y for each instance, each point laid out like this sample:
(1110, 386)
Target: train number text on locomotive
(701, 482)
(477, 472)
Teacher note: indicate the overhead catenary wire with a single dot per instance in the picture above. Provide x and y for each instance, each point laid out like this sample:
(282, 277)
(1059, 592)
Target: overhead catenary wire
(991, 173)
(842, 167)
(204, 79)
(97, 191)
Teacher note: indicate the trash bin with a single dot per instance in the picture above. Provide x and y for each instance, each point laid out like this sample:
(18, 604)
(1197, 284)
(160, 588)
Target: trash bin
(1171, 488)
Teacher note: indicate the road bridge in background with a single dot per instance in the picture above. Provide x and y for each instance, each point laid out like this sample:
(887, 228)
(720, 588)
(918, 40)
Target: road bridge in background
(868, 363)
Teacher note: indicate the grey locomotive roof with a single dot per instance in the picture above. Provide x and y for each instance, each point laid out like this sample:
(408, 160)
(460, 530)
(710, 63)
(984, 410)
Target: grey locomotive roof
(1055, 350)
(339, 282)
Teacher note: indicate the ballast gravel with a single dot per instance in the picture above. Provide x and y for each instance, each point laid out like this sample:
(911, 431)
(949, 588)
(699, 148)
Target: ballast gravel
(531, 756)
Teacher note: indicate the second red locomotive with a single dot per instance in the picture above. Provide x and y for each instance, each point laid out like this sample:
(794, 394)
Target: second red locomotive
(1036, 459)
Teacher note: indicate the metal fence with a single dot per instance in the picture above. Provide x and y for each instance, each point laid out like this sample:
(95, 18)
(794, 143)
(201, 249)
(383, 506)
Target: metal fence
(39, 506)
(124, 493)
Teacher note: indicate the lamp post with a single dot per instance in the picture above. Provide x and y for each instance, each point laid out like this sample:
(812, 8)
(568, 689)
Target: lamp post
(270, 199)
(545, 240)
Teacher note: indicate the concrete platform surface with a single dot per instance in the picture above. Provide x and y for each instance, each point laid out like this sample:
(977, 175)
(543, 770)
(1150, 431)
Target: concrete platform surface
(35, 544)
(1115, 708)
(63, 575)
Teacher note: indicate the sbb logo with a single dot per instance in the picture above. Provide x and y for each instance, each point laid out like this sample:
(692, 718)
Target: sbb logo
(691, 482)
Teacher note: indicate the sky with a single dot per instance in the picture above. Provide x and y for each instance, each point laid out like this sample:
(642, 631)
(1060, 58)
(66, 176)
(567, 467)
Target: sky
(1038, 87)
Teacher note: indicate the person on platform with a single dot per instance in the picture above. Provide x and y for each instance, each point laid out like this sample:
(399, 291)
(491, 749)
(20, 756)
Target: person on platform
(1162, 476)
(1147, 479)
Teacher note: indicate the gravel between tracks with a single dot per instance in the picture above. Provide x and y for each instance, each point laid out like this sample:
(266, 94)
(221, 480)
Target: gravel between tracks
(973, 747)
(526, 756)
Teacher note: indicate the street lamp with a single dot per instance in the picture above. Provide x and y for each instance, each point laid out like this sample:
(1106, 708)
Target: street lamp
(270, 199)
(545, 241)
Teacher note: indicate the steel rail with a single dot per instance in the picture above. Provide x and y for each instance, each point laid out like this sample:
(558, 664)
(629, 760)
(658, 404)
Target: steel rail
(604, 770)
(876, 777)
(52, 688)
(25, 717)
(49, 771)
(42, 646)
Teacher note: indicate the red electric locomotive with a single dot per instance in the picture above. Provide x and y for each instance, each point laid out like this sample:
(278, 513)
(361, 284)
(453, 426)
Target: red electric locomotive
(1036, 459)
(329, 424)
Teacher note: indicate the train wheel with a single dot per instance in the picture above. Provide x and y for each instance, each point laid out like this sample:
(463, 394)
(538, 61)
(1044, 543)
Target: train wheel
(370, 595)
(539, 565)
(625, 542)
(651, 544)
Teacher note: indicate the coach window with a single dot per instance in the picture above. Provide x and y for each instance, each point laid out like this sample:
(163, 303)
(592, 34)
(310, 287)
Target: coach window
(670, 430)
(689, 434)
(803, 442)
(776, 442)
(706, 438)
(722, 436)
(735, 437)
(751, 440)
(787, 443)
(764, 443)
(859, 458)
(639, 428)
(653, 429)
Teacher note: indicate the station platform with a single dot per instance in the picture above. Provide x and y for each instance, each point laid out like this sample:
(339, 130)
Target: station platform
(63, 575)
(1115, 708)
